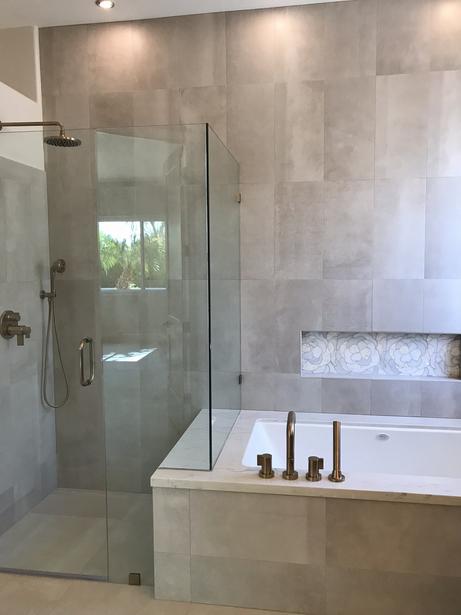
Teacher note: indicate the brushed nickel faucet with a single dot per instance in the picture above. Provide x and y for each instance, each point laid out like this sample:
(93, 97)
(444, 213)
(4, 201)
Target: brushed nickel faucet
(10, 327)
(290, 472)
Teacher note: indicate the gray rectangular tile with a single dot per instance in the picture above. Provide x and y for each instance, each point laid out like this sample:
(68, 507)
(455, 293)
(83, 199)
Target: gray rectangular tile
(395, 398)
(172, 577)
(444, 152)
(350, 39)
(441, 399)
(402, 113)
(398, 228)
(250, 39)
(294, 588)
(299, 134)
(361, 592)
(347, 305)
(446, 35)
(442, 306)
(258, 320)
(349, 128)
(258, 390)
(216, 515)
(347, 247)
(299, 213)
(205, 105)
(293, 392)
(390, 537)
(298, 307)
(403, 36)
(398, 306)
(300, 43)
(171, 521)
(257, 231)
(443, 220)
(251, 131)
(346, 396)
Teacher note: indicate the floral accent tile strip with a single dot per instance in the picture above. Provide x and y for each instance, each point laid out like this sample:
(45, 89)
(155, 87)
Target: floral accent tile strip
(381, 354)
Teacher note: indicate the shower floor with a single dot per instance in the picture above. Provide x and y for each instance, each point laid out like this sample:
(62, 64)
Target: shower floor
(67, 534)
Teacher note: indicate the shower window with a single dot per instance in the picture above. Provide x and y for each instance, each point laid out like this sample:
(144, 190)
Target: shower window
(132, 254)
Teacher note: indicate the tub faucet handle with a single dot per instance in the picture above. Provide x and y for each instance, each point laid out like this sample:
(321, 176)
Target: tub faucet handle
(315, 464)
(265, 461)
(336, 476)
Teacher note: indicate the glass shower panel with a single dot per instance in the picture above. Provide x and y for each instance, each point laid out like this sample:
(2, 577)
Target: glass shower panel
(53, 513)
(151, 204)
(224, 234)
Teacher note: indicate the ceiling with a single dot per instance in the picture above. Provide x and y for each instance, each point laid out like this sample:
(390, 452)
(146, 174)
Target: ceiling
(65, 12)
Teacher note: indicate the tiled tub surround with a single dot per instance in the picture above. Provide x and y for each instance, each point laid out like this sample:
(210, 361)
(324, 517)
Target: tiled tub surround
(381, 544)
(408, 355)
(345, 120)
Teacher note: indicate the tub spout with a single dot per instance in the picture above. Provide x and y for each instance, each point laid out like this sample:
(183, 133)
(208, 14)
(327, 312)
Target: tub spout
(290, 472)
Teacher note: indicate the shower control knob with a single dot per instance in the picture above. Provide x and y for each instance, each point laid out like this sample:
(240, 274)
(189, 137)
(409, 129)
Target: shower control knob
(10, 327)
(313, 474)
(265, 461)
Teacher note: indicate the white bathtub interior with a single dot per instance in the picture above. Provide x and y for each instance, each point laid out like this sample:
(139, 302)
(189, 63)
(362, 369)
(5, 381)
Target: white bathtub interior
(366, 448)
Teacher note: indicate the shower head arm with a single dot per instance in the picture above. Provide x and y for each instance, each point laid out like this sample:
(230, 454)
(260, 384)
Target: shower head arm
(30, 124)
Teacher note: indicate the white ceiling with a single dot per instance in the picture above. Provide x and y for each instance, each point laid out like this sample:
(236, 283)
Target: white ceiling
(65, 12)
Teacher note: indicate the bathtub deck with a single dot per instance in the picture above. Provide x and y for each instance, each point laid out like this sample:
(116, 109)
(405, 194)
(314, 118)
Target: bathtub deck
(230, 475)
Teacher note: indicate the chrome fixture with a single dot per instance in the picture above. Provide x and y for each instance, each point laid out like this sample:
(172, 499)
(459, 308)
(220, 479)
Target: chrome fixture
(86, 341)
(313, 471)
(265, 461)
(10, 327)
(290, 472)
(59, 266)
(336, 476)
(105, 4)
(61, 140)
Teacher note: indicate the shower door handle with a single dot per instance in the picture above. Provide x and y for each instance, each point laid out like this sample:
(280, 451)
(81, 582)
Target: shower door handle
(86, 341)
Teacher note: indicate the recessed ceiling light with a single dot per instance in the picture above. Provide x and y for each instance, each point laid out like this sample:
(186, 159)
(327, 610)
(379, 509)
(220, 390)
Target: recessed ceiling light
(105, 4)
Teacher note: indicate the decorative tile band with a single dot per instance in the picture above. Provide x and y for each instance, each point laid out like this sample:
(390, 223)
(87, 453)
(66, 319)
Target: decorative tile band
(411, 355)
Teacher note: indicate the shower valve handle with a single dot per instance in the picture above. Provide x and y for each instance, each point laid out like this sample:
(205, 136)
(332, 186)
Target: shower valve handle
(10, 327)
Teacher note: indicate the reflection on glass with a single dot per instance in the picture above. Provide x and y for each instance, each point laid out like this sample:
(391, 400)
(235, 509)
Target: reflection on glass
(132, 254)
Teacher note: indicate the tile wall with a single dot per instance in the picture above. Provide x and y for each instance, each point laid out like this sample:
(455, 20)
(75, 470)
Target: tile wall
(345, 120)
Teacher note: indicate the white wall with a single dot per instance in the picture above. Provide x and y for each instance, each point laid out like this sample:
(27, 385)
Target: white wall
(16, 107)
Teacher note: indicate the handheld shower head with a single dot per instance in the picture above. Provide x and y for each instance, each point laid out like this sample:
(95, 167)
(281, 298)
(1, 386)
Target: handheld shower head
(59, 266)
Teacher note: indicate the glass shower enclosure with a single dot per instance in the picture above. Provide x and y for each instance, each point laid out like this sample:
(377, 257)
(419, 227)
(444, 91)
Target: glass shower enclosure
(147, 313)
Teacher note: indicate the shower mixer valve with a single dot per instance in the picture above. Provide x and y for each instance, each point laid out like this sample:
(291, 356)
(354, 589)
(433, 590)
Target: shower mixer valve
(10, 327)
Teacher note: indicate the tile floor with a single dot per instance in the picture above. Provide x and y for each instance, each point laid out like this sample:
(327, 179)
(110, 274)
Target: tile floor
(67, 533)
(25, 595)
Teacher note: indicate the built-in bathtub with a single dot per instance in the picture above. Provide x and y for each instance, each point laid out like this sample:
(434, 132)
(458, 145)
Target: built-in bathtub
(389, 535)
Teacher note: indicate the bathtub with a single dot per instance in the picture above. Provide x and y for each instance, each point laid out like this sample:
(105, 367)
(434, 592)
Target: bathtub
(368, 446)
(410, 459)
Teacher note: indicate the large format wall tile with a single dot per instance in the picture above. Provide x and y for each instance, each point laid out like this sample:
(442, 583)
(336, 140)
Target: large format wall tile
(446, 35)
(402, 103)
(250, 42)
(349, 128)
(441, 399)
(346, 396)
(398, 398)
(298, 307)
(251, 131)
(403, 36)
(258, 315)
(443, 220)
(300, 47)
(299, 214)
(347, 242)
(398, 229)
(217, 515)
(444, 155)
(362, 592)
(387, 537)
(299, 135)
(257, 231)
(347, 305)
(442, 306)
(350, 39)
(293, 588)
(398, 305)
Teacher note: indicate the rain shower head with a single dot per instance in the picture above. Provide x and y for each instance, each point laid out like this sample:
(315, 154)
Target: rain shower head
(61, 140)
